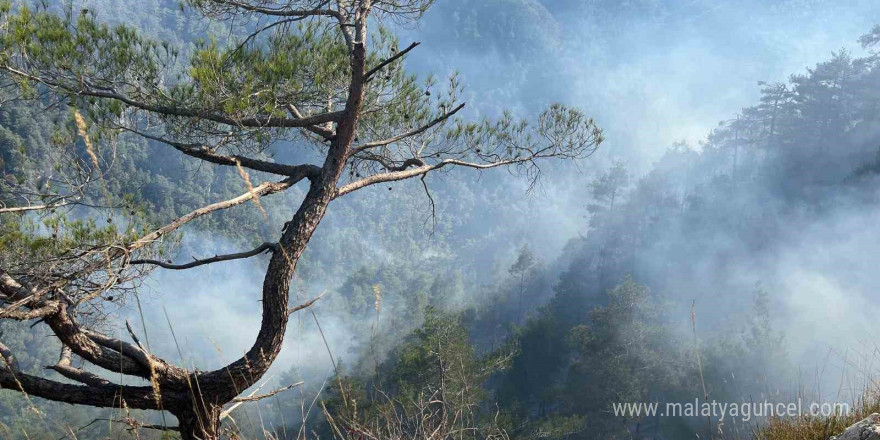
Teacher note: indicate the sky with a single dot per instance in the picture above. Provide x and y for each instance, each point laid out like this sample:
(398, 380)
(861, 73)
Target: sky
(651, 72)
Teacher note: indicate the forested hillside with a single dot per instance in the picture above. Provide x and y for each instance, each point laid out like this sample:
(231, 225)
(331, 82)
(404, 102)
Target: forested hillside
(740, 267)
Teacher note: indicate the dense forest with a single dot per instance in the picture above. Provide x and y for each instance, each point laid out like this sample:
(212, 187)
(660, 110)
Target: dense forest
(736, 268)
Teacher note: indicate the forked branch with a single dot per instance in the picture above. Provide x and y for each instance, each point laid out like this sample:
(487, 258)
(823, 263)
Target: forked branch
(103, 394)
(64, 368)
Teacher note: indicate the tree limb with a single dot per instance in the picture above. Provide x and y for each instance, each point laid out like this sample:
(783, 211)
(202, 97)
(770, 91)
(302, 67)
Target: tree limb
(257, 397)
(414, 172)
(14, 290)
(81, 342)
(258, 191)
(217, 258)
(207, 154)
(9, 358)
(411, 133)
(105, 396)
(306, 304)
(11, 312)
(149, 362)
(281, 12)
(33, 207)
(98, 392)
(64, 368)
(252, 122)
(369, 75)
(55, 314)
(23, 296)
(325, 133)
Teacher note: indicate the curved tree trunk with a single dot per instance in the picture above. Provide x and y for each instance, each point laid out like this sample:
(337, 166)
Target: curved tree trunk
(201, 420)
(199, 413)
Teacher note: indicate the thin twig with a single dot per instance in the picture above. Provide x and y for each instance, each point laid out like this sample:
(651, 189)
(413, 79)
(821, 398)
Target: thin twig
(257, 397)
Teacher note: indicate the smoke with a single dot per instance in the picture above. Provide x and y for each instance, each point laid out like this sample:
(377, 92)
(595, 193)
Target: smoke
(209, 316)
(651, 73)
(829, 285)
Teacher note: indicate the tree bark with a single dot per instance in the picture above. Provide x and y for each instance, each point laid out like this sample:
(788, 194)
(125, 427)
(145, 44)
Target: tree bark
(199, 423)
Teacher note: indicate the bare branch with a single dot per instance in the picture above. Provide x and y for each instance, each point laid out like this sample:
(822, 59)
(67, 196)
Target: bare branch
(134, 352)
(33, 207)
(64, 368)
(22, 296)
(99, 392)
(433, 215)
(9, 358)
(217, 258)
(415, 132)
(80, 342)
(326, 133)
(305, 305)
(11, 312)
(105, 396)
(55, 314)
(257, 397)
(133, 336)
(203, 152)
(414, 172)
(225, 413)
(14, 290)
(369, 75)
(258, 191)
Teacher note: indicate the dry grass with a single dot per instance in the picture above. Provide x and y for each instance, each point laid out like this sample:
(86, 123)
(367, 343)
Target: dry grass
(818, 428)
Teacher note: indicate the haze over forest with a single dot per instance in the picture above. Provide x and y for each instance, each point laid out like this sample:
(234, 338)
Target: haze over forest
(689, 210)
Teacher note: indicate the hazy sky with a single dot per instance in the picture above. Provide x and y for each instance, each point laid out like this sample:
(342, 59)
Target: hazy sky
(651, 72)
